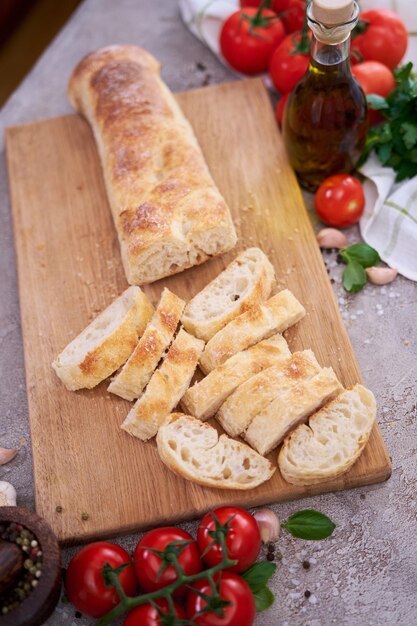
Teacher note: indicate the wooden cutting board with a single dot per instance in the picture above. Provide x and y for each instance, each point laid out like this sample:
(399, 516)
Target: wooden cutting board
(69, 269)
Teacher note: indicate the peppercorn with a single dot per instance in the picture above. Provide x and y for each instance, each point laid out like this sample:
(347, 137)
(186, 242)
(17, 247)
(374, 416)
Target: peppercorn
(31, 571)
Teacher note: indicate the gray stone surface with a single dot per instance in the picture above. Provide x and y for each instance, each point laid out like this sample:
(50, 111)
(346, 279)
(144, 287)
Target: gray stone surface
(366, 574)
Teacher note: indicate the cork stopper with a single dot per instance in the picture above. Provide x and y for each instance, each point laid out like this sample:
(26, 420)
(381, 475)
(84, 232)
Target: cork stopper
(332, 12)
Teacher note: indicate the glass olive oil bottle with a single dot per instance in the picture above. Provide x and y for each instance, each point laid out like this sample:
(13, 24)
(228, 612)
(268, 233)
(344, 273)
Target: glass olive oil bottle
(325, 120)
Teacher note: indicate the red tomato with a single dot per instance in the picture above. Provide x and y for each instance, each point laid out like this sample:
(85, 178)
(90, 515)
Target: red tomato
(374, 77)
(292, 13)
(250, 3)
(84, 582)
(248, 43)
(243, 541)
(147, 564)
(241, 611)
(340, 201)
(280, 108)
(147, 615)
(385, 39)
(286, 66)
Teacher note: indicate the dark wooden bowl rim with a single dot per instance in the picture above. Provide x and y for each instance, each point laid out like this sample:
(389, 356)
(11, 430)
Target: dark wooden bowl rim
(37, 607)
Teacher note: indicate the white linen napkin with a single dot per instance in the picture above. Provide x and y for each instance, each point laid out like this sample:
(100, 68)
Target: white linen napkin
(204, 18)
(389, 223)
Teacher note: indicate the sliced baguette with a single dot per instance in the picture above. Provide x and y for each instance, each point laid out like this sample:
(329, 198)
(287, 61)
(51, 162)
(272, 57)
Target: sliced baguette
(194, 450)
(135, 375)
(333, 440)
(289, 409)
(106, 343)
(240, 408)
(166, 387)
(245, 281)
(204, 398)
(257, 323)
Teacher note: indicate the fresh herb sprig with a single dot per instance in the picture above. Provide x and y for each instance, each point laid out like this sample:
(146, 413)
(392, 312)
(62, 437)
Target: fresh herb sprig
(357, 257)
(395, 141)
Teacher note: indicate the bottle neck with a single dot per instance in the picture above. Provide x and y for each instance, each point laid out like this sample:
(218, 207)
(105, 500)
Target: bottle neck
(330, 45)
(327, 54)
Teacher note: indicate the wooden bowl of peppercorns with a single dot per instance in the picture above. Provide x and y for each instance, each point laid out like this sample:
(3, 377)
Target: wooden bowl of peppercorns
(30, 568)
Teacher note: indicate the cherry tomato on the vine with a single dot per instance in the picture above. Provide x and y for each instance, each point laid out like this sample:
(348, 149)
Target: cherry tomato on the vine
(287, 66)
(85, 585)
(340, 200)
(240, 611)
(374, 77)
(147, 615)
(147, 564)
(243, 539)
(247, 40)
(385, 38)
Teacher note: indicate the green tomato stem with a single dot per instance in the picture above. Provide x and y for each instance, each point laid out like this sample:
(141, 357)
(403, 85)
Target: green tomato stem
(127, 604)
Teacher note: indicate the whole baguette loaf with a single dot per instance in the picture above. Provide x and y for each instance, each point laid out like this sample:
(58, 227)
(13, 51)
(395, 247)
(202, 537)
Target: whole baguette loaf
(167, 210)
(289, 409)
(246, 281)
(333, 440)
(204, 398)
(106, 343)
(257, 323)
(166, 387)
(254, 395)
(135, 374)
(193, 449)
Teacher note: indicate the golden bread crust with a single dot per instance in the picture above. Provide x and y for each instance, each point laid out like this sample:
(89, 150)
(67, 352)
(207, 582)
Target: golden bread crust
(168, 213)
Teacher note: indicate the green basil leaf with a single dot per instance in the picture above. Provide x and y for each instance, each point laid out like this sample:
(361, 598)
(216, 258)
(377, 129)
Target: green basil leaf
(258, 575)
(309, 524)
(264, 598)
(377, 102)
(354, 277)
(361, 253)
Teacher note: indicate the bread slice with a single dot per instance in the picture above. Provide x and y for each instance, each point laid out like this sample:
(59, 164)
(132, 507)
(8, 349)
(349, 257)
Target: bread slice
(246, 281)
(135, 375)
(166, 387)
(253, 396)
(194, 450)
(289, 409)
(204, 398)
(106, 343)
(257, 323)
(333, 440)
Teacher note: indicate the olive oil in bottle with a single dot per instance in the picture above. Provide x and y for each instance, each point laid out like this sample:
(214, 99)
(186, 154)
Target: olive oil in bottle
(325, 119)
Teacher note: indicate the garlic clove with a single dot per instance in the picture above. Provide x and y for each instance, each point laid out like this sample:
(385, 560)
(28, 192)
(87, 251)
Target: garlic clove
(6, 455)
(381, 275)
(268, 524)
(331, 238)
(7, 494)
